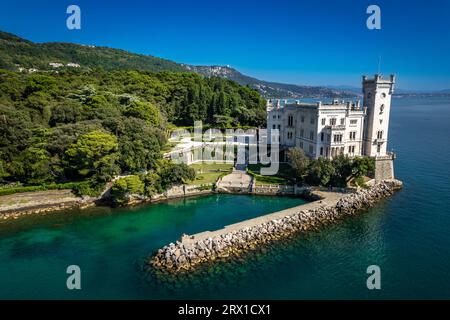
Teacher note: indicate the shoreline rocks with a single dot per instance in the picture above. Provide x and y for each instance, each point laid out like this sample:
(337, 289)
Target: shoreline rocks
(180, 256)
(44, 209)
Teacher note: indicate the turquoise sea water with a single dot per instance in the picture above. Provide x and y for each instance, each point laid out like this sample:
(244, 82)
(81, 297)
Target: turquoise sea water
(407, 235)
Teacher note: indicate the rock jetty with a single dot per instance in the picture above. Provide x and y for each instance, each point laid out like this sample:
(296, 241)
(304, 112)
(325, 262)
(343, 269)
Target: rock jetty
(181, 256)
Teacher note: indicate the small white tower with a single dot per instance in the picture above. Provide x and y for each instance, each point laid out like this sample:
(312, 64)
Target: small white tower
(377, 102)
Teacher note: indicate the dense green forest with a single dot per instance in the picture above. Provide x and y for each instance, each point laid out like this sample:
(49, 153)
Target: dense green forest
(89, 125)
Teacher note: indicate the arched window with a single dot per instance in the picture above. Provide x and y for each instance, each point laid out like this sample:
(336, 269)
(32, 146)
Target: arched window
(381, 108)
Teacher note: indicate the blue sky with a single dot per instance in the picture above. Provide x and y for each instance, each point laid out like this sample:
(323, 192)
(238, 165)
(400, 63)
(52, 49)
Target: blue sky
(304, 42)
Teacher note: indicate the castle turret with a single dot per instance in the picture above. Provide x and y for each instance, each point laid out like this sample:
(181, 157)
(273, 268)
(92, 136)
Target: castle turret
(377, 101)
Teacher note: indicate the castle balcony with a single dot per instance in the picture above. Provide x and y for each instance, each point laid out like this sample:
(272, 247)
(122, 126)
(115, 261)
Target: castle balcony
(387, 156)
(335, 127)
(378, 140)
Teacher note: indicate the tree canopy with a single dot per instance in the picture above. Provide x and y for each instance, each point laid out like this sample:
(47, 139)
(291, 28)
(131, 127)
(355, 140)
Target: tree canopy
(74, 125)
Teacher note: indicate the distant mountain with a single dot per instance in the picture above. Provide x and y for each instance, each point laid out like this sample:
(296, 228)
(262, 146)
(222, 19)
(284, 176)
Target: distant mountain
(20, 54)
(422, 93)
(346, 88)
(270, 89)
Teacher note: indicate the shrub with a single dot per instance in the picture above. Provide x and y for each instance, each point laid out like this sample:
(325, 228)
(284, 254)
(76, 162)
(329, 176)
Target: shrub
(89, 188)
(54, 186)
(124, 187)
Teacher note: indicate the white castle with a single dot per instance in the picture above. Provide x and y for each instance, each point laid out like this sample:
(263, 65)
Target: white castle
(348, 128)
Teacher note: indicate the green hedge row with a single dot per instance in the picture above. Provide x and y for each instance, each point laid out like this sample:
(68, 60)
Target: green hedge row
(54, 186)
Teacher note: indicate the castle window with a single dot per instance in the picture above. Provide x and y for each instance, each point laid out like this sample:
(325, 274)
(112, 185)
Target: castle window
(311, 149)
(302, 119)
(383, 95)
(311, 135)
(301, 144)
(290, 121)
(323, 121)
(379, 147)
(352, 135)
(381, 108)
(337, 138)
(342, 121)
(301, 133)
(279, 127)
(332, 121)
(312, 120)
(274, 126)
(380, 134)
(354, 121)
(321, 151)
(321, 136)
(369, 95)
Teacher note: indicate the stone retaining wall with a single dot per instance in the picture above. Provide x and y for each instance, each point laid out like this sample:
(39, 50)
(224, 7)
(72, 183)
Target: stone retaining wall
(384, 168)
(184, 256)
(184, 191)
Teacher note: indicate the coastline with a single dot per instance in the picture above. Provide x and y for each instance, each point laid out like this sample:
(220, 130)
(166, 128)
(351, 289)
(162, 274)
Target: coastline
(191, 251)
(42, 202)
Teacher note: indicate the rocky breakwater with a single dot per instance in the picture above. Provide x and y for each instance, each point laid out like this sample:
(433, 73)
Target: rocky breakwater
(181, 256)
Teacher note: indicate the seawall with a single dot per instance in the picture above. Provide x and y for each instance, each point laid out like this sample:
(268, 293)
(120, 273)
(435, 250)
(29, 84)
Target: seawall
(42, 202)
(205, 247)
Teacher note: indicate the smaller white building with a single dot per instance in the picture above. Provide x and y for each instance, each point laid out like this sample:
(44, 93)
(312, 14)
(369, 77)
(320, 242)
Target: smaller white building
(56, 64)
(73, 65)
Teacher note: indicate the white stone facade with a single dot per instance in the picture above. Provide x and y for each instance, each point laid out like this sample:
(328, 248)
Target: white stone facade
(327, 130)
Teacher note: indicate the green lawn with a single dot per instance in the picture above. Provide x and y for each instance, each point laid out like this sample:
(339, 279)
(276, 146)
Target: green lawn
(209, 172)
(168, 147)
(282, 177)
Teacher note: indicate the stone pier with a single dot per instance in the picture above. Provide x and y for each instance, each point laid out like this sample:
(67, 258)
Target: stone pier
(234, 239)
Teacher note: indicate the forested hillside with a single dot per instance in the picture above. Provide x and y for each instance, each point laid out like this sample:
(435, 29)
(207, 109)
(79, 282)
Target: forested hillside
(16, 52)
(89, 125)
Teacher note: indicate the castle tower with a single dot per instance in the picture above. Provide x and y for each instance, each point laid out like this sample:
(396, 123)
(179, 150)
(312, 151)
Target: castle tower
(377, 103)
